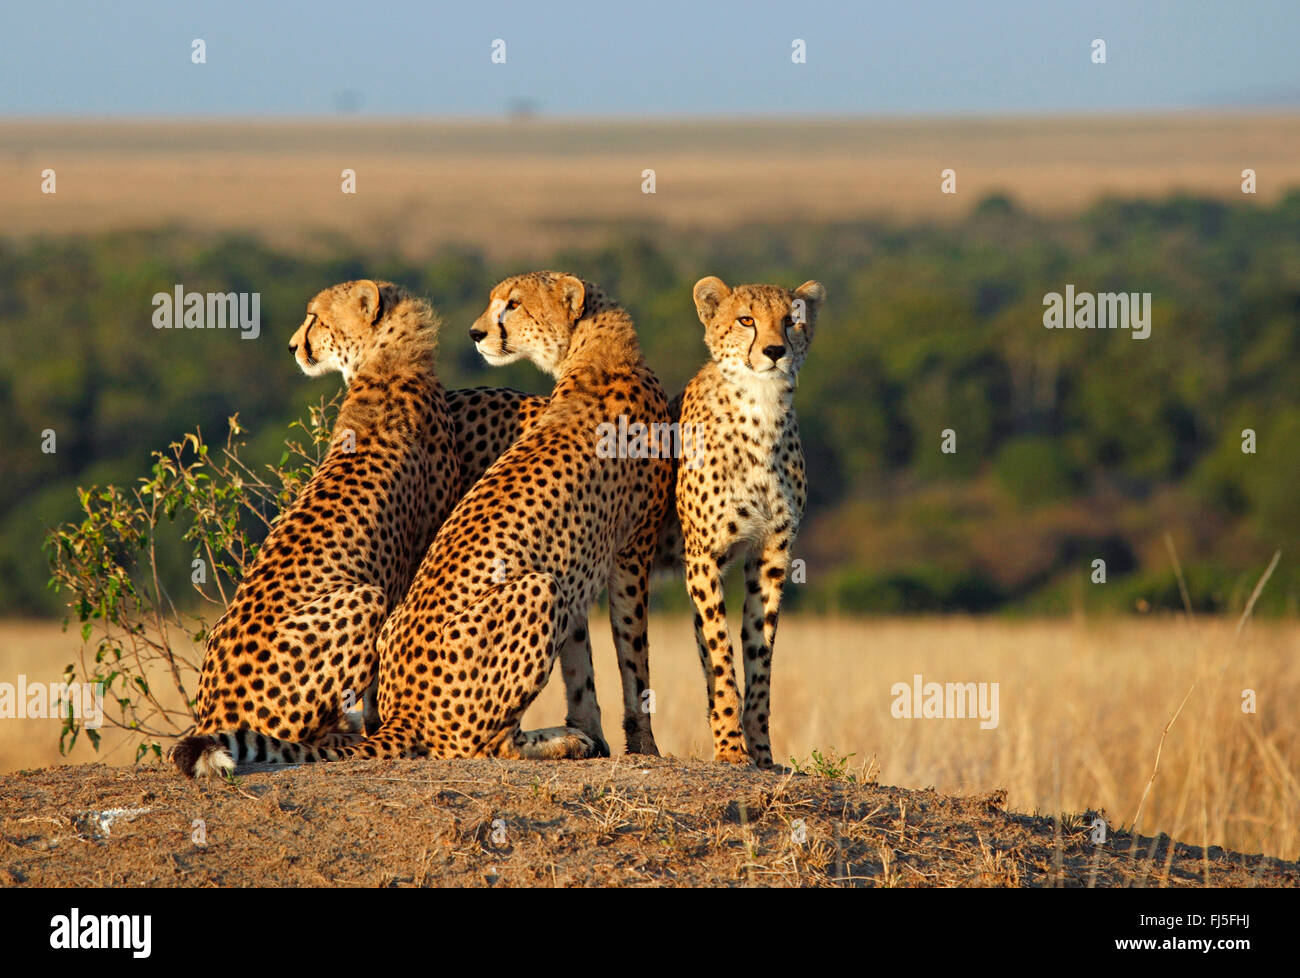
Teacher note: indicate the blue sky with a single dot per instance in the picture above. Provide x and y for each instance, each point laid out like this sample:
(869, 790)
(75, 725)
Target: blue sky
(645, 59)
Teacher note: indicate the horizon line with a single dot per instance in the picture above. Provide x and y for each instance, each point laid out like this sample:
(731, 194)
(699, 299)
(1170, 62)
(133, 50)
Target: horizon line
(702, 118)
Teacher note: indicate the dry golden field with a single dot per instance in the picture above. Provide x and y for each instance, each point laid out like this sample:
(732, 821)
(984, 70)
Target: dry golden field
(1082, 708)
(515, 187)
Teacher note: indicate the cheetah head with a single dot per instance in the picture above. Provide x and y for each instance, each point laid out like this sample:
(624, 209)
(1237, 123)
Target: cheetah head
(341, 325)
(758, 330)
(530, 316)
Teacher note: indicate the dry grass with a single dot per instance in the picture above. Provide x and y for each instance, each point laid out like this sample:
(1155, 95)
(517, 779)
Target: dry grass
(559, 184)
(1082, 706)
(1082, 710)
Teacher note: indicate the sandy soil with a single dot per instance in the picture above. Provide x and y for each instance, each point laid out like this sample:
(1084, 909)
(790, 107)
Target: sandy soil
(621, 822)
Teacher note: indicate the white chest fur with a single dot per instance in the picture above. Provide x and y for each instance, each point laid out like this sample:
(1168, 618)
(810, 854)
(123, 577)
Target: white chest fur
(756, 438)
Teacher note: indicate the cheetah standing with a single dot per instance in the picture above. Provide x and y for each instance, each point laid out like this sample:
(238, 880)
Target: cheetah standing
(746, 493)
(507, 583)
(297, 642)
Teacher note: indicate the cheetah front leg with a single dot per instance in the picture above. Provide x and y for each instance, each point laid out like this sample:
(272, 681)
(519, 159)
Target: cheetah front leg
(765, 575)
(553, 744)
(629, 601)
(704, 581)
(583, 710)
(355, 725)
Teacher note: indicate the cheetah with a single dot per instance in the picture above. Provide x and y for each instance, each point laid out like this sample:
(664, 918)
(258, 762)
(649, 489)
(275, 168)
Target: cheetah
(297, 641)
(747, 497)
(506, 586)
(264, 689)
(492, 337)
(485, 422)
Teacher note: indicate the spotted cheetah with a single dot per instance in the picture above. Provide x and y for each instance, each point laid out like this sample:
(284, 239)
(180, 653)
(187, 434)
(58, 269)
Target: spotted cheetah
(492, 336)
(747, 497)
(297, 641)
(246, 684)
(486, 421)
(507, 583)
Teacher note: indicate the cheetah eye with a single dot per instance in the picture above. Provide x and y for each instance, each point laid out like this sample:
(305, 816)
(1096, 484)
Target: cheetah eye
(746, 320)
(512, 304)
(789, 323)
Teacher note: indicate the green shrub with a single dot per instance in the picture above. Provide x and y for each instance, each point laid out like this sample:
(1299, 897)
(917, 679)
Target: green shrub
(135, 633)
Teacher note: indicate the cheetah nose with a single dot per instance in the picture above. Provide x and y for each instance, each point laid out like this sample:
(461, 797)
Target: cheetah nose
(477, 334)
(293, 347)
(774, 352)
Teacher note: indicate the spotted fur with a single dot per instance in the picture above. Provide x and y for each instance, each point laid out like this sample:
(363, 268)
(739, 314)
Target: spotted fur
(505, 587)
(745, 496)
(294, 650)
(294, 655)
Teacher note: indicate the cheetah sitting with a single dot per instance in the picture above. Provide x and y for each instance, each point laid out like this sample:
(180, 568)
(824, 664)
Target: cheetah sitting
(284, 685)
(507, 583)
(747, 497)
(297, 641)
(492, 335)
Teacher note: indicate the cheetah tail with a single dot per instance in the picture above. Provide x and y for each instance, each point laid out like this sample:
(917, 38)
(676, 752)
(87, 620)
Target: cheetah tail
(201, 755)
(205, 755)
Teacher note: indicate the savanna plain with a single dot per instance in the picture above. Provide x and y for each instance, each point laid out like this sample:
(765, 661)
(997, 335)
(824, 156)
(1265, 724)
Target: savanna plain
(1160, 726)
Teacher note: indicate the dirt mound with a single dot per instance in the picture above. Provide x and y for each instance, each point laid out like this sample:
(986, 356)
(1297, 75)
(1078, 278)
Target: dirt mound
(621, 822)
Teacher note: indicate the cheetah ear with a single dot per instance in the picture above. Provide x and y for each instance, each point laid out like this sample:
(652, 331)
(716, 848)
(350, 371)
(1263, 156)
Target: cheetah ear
(572, 295)
(813, 294)
(369, 302)
(709, 292)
